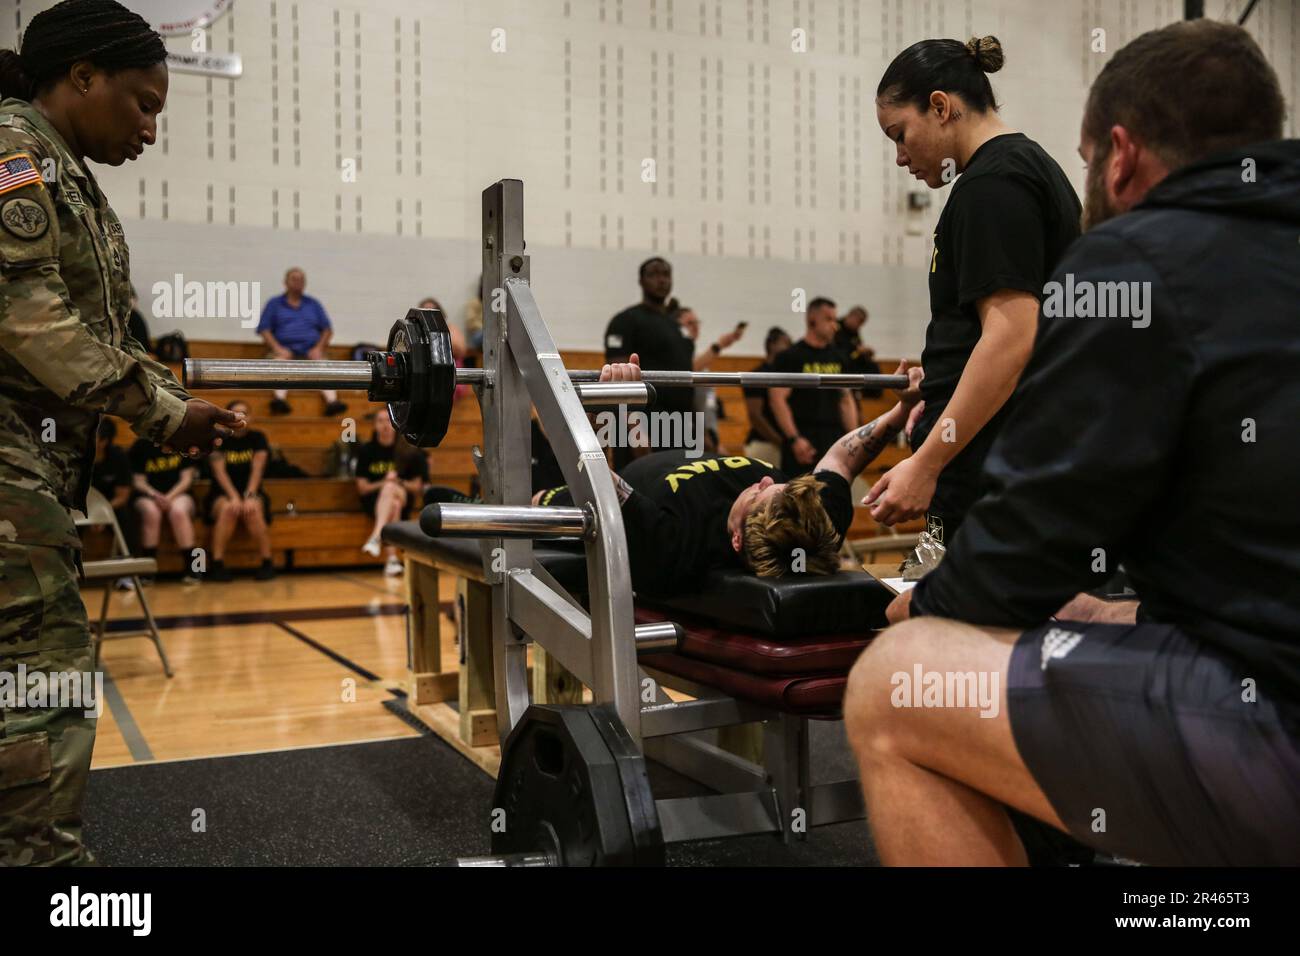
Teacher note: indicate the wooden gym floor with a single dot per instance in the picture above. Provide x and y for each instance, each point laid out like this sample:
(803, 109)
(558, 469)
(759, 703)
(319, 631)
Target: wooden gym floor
(302, 661)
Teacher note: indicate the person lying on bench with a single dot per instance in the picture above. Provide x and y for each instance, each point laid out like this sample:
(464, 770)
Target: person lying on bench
(685, 516)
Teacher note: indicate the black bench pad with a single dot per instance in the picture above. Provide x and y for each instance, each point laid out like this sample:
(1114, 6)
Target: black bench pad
(850, 602)
(565, 562)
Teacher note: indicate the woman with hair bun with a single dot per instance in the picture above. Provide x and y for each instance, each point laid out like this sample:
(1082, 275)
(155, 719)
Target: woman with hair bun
(1009, 217)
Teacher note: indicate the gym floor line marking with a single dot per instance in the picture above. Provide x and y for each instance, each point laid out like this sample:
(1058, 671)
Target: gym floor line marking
(136, 745)
(234, 618)
(362, 583)
(336, 657)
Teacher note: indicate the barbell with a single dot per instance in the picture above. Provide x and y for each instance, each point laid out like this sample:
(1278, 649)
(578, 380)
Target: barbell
(417, 377)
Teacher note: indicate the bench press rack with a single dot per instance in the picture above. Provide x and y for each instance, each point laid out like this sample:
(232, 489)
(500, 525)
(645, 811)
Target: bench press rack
(522, 365)
(600, 647)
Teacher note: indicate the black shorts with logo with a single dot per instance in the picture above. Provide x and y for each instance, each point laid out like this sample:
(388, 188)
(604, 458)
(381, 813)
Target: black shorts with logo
(1141, 740)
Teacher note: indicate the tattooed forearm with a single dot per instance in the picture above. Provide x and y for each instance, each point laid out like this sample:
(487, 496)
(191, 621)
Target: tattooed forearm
(863, 445)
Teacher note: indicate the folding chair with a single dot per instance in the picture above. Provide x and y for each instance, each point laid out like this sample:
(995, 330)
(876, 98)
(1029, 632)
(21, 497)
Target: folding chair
(99, 513)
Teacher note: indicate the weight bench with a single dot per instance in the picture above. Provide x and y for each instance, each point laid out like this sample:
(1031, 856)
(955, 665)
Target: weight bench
(770, 652)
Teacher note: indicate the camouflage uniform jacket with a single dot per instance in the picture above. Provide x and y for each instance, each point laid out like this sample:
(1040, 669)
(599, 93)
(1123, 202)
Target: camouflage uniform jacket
(65, 355)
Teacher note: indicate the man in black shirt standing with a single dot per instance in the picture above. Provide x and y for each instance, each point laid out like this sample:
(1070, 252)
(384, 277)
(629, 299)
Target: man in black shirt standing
(811, 419)
(764, 439)
(1154, 427)
(651, 330)
(848, 339)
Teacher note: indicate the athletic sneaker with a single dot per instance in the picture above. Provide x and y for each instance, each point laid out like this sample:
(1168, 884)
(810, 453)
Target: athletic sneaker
(394, 568)
(371, 547)
(124, 584)
(266, 572)
(335, 408)
(189, 577)
(280, 407)
(219, 572)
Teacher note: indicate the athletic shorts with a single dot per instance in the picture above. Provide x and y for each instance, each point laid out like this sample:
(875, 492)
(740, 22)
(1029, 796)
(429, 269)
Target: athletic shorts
(1141, 740)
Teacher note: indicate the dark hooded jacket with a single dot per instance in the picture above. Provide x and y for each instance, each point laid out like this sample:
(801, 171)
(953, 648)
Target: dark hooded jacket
(1165, 438)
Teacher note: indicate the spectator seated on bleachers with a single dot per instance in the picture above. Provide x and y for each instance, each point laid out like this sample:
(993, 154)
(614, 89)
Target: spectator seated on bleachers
(294, 326)
(458, 349)
(390, 475)
(236, 497)
(162, 481)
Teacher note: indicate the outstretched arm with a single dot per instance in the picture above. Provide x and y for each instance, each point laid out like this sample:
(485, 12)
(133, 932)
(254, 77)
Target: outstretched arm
(858, 448)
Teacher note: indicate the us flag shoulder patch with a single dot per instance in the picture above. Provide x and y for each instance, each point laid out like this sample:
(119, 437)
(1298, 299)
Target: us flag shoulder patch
(17, 170)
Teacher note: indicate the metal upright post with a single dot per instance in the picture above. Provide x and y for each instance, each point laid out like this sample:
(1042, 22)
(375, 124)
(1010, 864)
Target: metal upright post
(524, 366)
(507, 443)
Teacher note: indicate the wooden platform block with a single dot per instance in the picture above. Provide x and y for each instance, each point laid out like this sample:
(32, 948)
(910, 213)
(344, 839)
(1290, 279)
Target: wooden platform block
(477, 682)
(424, 636)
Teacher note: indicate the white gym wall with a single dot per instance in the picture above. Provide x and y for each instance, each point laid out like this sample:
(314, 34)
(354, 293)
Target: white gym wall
(770, 171)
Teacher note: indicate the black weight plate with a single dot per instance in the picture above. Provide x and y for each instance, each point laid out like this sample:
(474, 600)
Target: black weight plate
(643, 814)
(563, 790)
(424, 341)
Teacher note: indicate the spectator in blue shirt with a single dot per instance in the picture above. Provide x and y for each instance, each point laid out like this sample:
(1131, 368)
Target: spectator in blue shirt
(295, 326)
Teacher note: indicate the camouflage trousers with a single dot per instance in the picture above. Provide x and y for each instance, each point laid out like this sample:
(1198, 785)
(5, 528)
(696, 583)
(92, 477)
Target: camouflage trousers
(44, 750)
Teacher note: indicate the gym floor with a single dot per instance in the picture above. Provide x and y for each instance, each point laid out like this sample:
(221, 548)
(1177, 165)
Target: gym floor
(305, 660)
(282, 739)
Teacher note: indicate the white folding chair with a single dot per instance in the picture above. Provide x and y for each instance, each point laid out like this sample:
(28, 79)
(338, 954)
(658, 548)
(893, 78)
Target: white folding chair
(120, 564)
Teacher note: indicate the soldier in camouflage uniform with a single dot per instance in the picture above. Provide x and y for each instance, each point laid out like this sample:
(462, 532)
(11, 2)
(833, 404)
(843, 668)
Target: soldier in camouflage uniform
(88, 84)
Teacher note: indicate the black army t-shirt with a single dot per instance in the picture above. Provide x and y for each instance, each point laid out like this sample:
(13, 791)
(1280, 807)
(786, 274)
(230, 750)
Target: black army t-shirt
(112, 472)
(161, 468)
(1010, 216)
(816, 410)
(676, 516)
(375, 460)
(860, 361)
(658, 341)
(238, 455)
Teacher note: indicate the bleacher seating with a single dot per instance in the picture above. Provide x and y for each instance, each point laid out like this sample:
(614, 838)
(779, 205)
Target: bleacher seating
(318, 519)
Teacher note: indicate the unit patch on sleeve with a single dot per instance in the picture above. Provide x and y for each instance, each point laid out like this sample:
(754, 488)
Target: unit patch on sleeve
(24, 218)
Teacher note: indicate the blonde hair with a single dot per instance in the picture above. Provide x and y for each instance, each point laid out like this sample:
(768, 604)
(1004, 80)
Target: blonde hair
(794, 520)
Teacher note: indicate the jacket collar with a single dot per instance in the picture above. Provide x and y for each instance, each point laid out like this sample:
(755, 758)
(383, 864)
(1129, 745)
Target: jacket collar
(31, 115)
